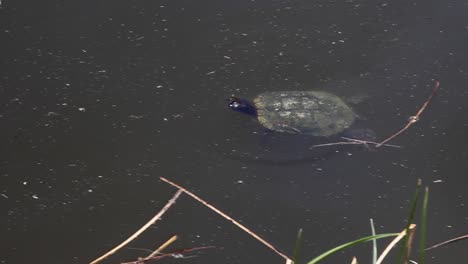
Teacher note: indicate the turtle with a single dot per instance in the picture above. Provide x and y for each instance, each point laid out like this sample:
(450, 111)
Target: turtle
(314, 113)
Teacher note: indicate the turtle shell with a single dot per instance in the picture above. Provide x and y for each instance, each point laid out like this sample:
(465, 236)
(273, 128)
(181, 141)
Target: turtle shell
(315, 113)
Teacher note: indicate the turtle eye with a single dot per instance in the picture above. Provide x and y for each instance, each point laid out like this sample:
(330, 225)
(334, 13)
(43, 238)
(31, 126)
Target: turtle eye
(234, 102)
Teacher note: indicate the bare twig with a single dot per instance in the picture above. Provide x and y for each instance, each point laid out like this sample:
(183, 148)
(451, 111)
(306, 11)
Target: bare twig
(448, 242)
(142, 229)
(288, 260)
(412, 119)
(393, 243)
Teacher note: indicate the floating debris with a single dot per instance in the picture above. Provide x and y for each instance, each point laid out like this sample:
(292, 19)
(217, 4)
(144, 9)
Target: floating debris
(136, 116)
(52, 114)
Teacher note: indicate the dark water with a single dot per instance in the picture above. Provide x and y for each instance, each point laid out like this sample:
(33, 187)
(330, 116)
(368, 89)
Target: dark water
(100, 98)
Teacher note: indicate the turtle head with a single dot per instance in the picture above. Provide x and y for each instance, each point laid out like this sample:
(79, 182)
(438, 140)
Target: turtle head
(242, 105)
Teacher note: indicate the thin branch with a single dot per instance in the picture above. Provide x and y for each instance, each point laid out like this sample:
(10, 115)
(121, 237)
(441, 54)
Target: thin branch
(393, 243)
(288, 260)
(412, 119)
(448, 242)
(142, 229)
(168, 255)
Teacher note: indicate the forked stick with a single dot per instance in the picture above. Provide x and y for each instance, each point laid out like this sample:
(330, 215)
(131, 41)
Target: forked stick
(412, 119)
(263, 241)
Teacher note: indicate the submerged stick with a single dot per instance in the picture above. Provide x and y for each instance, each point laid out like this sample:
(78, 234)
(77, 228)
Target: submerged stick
(142, 229)
(263, 241)
(162, 247)
(412, 119)
(353, 141)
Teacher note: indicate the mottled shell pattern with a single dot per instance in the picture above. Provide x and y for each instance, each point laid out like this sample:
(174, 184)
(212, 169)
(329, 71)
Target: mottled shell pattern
(315, 113)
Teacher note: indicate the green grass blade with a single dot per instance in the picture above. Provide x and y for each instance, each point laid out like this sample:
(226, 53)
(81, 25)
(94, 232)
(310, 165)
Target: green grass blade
(414, 204)
(349, 244)
(422, 243)
(374, 243)
(298, 244)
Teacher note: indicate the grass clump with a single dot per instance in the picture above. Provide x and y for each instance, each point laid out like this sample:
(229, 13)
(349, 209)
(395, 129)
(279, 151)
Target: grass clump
(407, 235)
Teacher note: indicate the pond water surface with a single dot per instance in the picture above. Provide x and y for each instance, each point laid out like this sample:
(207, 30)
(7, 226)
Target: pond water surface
(98, 99)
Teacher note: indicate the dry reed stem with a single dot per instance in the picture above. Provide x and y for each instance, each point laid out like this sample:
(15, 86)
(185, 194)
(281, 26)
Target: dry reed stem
(412, 119)
(393, 243)
(162, 247)
(263, 241)
(142, 229)
(409, 244)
